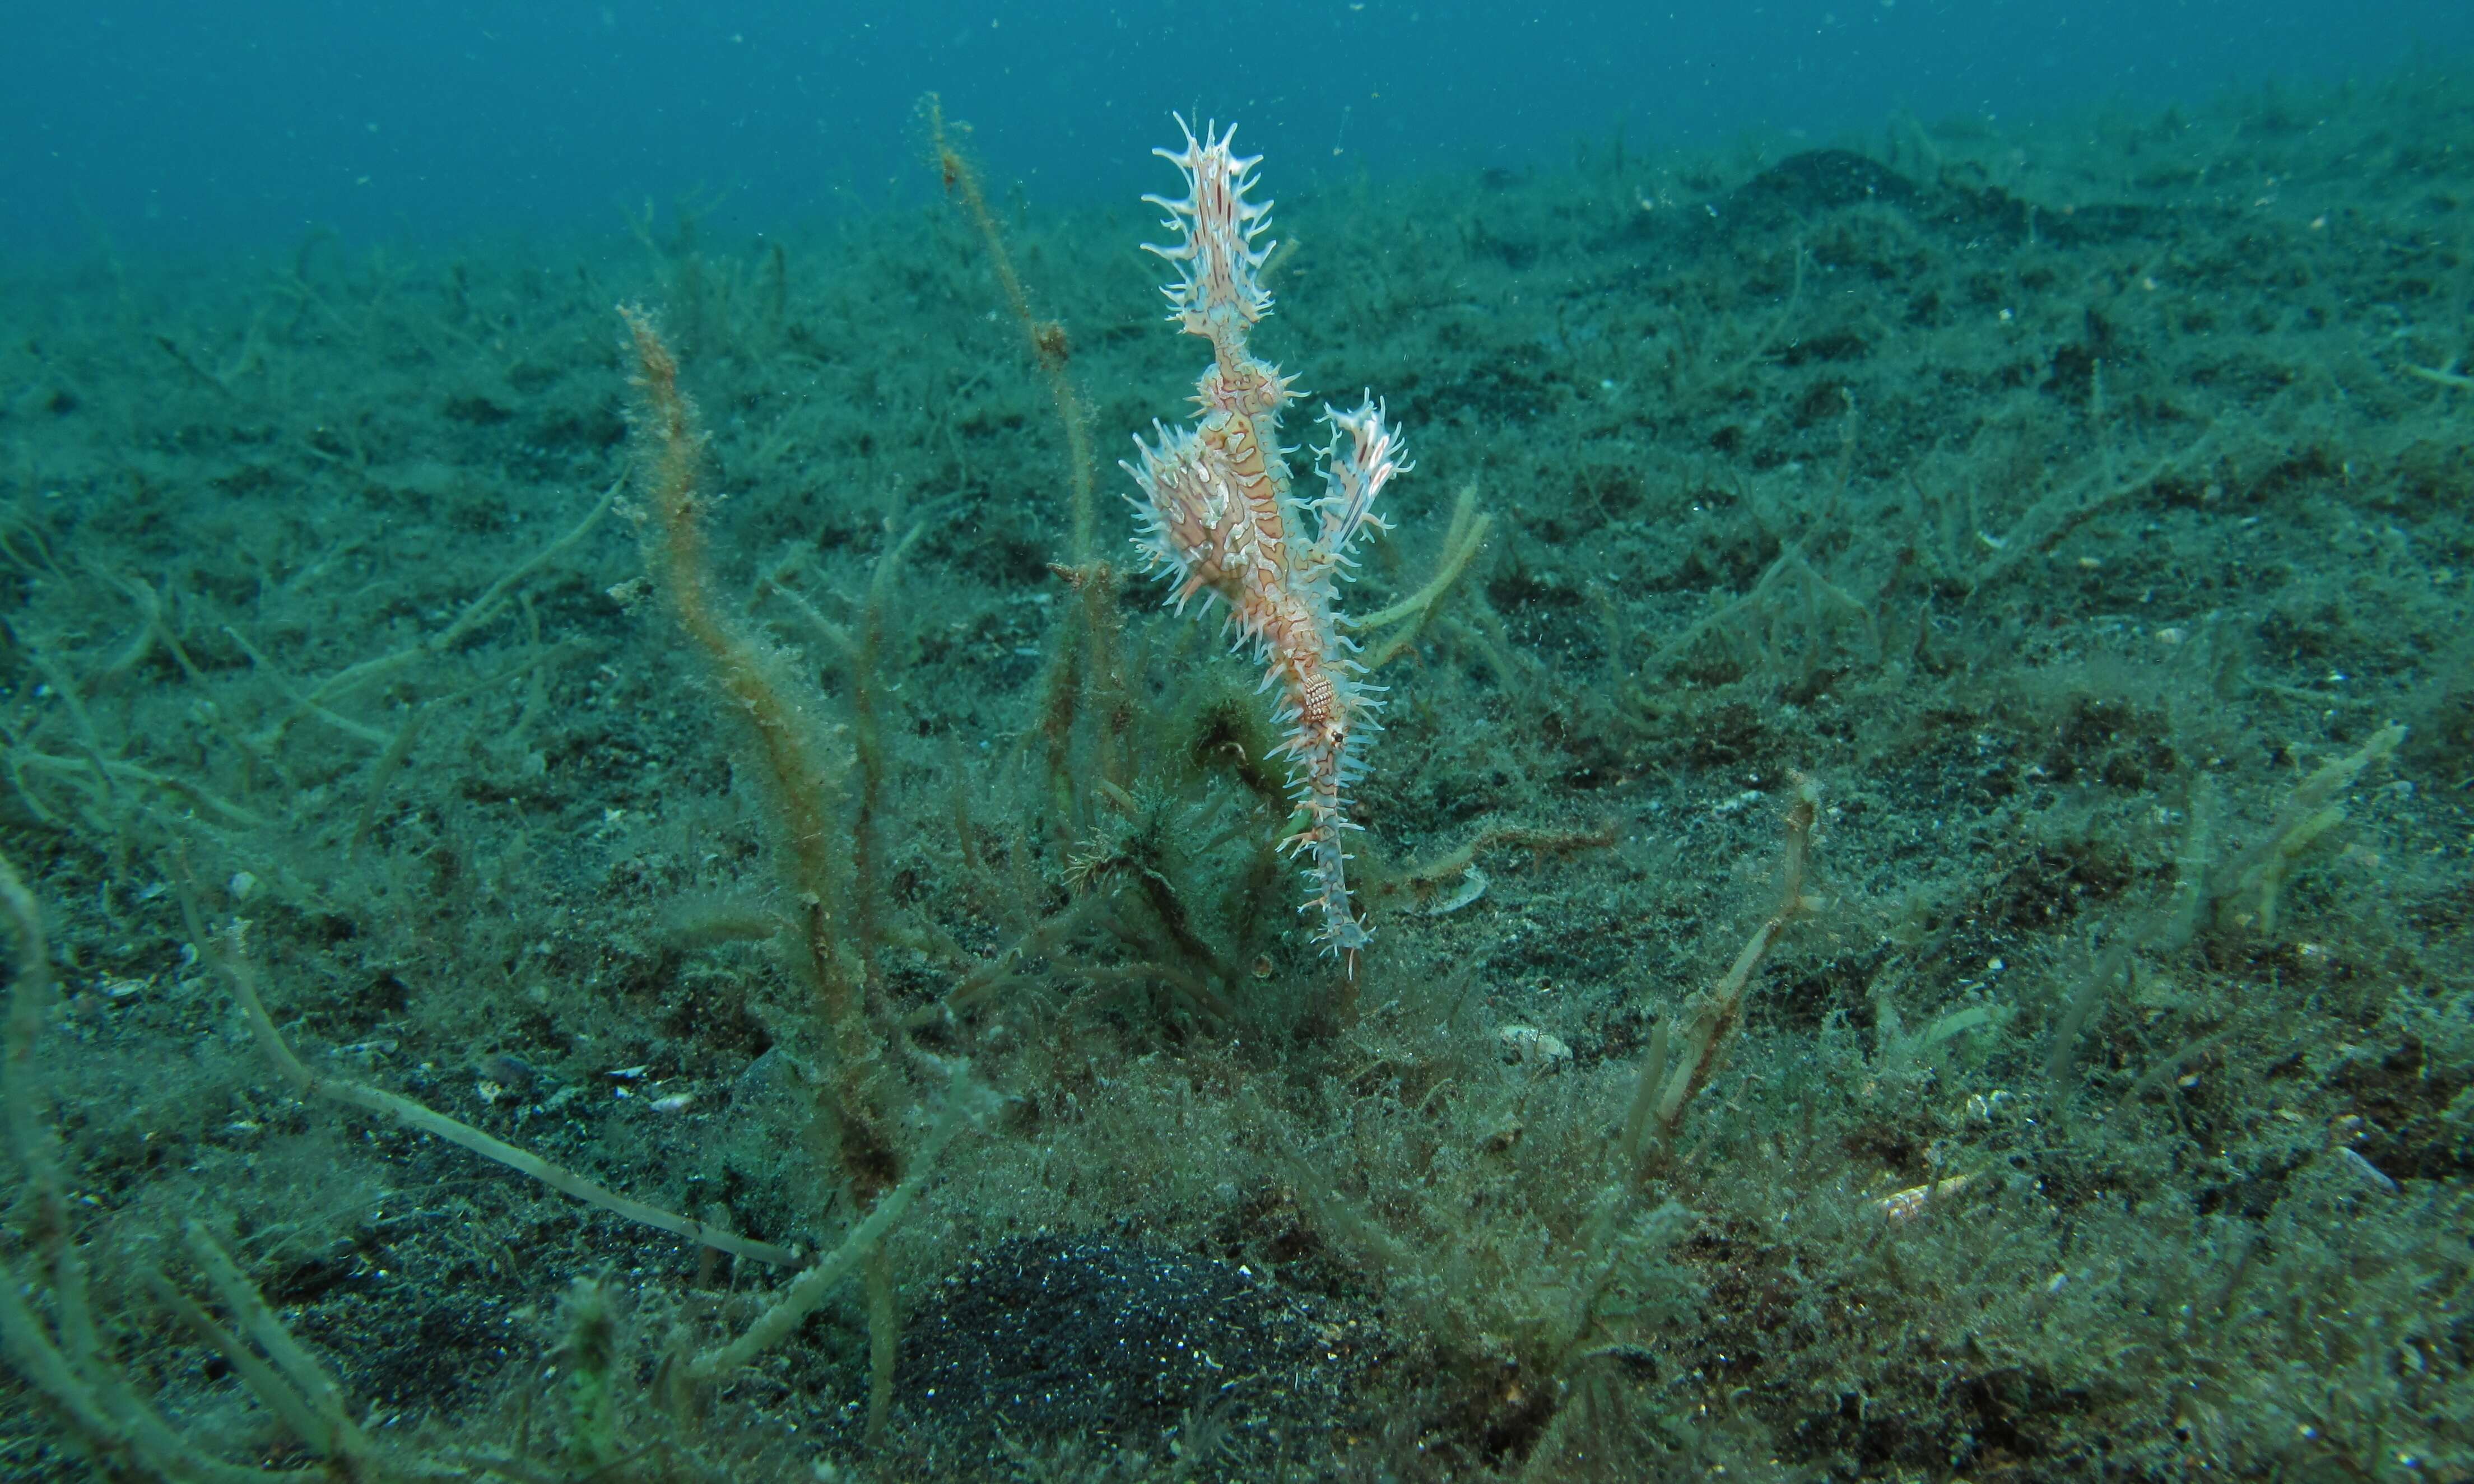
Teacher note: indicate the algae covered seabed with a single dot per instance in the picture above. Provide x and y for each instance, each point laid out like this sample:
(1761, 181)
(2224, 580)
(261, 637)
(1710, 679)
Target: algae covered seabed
(2080, 507)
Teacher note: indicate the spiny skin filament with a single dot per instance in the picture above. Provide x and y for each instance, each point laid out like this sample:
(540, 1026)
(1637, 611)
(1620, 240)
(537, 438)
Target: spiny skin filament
(1219, 517)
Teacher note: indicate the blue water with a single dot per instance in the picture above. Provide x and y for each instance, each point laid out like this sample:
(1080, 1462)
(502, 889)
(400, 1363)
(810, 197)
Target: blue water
(164, 126)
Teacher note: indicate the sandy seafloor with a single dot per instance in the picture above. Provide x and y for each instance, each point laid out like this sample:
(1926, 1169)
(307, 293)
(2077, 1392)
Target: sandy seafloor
(2063, 500)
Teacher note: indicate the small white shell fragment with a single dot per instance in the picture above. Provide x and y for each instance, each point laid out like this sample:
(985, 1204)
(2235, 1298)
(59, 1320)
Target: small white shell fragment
(1901, 1205)
(675, 1102)
(1530, 1047)
(242, 887)
(2354, 1161)
(1472, 887)
(630, 1074)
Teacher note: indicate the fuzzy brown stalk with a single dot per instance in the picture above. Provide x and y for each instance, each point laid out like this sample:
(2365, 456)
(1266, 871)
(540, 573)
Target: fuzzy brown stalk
(1679, 1066)
(1049, 346)
(1092, 681)
(867, 739)
(671, 461)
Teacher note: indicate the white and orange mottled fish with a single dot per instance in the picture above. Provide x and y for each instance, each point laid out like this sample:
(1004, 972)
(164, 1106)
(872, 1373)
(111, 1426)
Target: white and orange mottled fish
(1219, 517)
